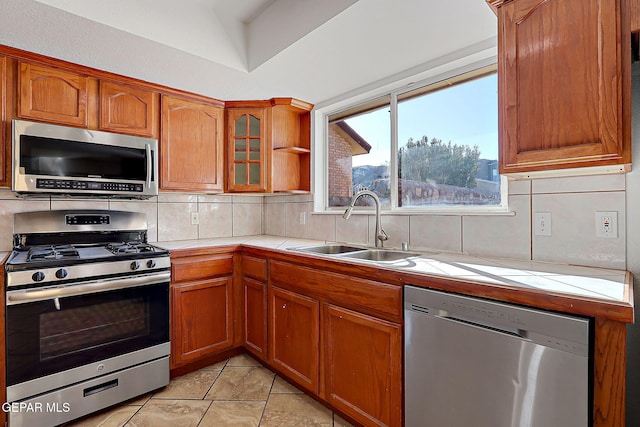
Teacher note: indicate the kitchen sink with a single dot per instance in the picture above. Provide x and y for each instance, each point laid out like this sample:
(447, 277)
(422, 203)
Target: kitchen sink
(331, 249)
(359, 253)
(381, 255)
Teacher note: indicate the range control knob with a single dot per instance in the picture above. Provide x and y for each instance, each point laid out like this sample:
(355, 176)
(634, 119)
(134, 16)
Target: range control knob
(151, 263)
(61, 274)
(135, 265)
(38, 276)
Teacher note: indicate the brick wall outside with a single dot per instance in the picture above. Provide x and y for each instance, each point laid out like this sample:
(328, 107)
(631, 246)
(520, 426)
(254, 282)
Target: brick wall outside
(340, 165)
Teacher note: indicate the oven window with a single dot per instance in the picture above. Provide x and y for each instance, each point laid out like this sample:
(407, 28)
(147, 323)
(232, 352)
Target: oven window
(87, 327)
(43, 340)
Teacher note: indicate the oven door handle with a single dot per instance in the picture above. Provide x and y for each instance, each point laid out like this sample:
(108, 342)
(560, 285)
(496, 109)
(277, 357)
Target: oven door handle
(54, 292)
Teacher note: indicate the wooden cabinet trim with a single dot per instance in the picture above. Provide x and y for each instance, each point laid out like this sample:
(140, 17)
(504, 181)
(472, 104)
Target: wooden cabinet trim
(6, 100)
(609, 390)
(35, 58)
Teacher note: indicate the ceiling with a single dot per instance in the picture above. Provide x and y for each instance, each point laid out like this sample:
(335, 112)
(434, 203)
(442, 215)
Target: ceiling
(251, 49)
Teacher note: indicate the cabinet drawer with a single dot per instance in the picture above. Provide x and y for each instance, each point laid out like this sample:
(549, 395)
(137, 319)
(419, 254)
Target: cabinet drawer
(201, 267)
(367, 296)
(254, 267)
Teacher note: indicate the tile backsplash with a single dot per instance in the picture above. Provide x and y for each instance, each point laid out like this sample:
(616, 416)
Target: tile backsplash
(572, 202)
(168, 215)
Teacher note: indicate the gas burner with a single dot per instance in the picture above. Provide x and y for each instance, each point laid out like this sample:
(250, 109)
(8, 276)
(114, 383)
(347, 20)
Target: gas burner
(129, 248)
(45, 253)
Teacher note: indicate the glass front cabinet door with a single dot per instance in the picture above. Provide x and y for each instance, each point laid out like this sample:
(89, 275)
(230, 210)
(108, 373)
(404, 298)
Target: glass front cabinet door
(246, 150)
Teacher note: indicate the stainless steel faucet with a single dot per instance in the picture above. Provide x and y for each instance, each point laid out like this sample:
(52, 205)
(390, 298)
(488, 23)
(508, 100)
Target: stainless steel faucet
(381, 236)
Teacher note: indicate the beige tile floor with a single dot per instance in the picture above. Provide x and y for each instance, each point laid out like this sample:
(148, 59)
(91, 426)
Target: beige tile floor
(236, 392)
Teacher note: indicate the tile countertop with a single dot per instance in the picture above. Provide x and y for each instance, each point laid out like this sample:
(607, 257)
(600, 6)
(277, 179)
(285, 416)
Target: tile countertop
(614, 287)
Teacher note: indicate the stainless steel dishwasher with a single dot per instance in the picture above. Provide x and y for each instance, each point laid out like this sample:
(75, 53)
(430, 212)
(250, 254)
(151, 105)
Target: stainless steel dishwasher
(474, 362)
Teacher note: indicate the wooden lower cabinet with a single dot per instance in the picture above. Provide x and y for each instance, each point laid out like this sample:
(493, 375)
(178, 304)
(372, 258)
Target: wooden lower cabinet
(294, 334)
(254, 288)
(201, 307)
(255, 315)
(362, 366)
(201, 319)
(340, 337)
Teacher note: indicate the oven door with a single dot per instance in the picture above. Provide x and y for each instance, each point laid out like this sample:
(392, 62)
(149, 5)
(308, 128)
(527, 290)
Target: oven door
(55, 339)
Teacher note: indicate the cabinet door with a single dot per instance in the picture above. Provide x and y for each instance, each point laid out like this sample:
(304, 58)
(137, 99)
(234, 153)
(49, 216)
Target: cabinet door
(52, 95)
(563, 87)
(202, 322)
(191, 155)
(5, 141)
(246, 148)
(294, 336)
(128, 110)
(255, 317)
(634, 13)
(362, 366)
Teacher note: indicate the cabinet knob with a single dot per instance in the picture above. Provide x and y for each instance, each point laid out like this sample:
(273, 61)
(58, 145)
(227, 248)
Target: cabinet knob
(284, 306)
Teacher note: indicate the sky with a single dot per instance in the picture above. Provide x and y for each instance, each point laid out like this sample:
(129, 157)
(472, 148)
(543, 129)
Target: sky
(463, 114)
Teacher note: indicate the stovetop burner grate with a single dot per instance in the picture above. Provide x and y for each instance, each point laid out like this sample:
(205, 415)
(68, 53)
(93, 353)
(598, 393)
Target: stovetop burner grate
(129, 248)
(49, 252)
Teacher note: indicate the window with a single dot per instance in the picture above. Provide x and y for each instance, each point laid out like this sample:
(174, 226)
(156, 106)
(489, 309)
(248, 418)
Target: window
(442, 152)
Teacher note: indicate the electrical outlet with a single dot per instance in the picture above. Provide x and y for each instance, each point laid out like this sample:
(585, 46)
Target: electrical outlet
(542, 223)
(607, 224)
(303, 218)
(195, 218)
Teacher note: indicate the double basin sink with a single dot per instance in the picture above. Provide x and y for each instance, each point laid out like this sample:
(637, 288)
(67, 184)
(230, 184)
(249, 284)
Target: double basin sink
(382, 256)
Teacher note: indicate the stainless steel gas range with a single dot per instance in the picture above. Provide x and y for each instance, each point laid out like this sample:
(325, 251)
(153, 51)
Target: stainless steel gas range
(87, 316)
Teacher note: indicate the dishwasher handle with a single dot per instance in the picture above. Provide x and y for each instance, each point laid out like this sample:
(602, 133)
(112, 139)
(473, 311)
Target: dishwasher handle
(518, 333)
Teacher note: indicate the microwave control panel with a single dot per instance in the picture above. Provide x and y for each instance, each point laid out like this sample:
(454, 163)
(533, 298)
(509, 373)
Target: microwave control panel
(66, 184)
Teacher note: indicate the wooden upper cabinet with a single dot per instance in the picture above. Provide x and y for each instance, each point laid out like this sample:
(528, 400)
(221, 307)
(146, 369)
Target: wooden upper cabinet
(564, 84)
(291, 146)
(246, 146)
(129, 110)
(191, 146)
(634, 13)
(52, 95)
(269, 146)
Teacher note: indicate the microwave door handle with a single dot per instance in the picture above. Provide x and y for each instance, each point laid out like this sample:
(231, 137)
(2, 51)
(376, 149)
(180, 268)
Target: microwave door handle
(149, 165)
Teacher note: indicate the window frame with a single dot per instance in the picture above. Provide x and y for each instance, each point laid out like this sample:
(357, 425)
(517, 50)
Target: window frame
(395, 90)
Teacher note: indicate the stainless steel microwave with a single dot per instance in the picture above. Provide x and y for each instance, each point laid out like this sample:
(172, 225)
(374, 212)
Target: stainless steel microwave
(51, 159)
